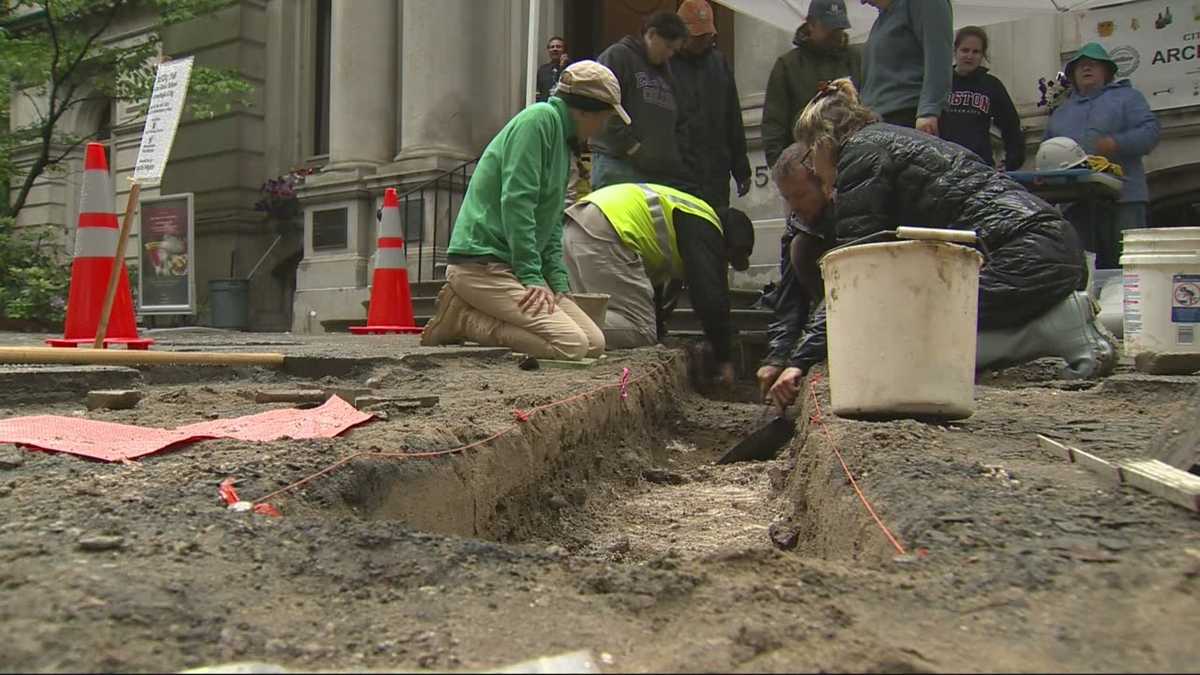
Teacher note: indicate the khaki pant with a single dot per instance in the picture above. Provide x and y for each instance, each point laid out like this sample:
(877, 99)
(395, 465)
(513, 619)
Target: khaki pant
(494, 318)
(599, 262)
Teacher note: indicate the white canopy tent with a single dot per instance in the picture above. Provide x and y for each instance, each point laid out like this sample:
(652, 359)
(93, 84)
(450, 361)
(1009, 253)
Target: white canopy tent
(788, 14)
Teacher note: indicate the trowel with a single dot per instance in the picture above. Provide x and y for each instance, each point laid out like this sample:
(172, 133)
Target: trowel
(765, 442)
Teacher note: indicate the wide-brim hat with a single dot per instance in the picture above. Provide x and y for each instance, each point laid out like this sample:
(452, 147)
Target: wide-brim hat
(1094, 51)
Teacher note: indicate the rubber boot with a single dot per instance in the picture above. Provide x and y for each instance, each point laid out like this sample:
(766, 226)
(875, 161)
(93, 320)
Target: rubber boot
(446, 326)
(1071, 331)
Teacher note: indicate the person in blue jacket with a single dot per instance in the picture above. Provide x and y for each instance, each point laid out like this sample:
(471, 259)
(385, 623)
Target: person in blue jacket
(1108, 117)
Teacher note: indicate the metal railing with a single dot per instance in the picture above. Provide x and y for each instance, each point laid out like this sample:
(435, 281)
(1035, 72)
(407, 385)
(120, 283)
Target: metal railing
(427, 214)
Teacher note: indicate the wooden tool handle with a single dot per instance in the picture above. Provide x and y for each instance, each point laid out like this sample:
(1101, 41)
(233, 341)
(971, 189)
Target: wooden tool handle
(956, 236)
(110, 294)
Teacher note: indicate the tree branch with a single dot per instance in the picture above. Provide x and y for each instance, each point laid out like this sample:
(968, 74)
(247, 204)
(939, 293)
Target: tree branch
(34, 103)
(53, 30)
(87, 45)
(72, 147)
(55, 111)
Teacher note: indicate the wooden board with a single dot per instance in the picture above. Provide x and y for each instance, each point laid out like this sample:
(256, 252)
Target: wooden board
(1149, 475)
(1164, 480)
(1107, 471)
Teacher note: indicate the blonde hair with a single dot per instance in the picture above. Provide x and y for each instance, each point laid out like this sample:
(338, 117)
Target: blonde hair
(833, 115)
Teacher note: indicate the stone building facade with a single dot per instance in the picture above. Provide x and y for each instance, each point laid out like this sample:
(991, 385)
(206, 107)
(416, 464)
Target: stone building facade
(406, 93)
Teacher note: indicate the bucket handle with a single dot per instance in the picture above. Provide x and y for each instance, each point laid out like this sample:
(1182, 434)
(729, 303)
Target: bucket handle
(964, 237)
(955, 236)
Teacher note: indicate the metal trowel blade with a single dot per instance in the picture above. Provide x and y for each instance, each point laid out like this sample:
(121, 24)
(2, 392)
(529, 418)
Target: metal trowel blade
(764, 443)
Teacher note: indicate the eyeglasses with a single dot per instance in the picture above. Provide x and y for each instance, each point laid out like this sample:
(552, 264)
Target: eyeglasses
(804, 160)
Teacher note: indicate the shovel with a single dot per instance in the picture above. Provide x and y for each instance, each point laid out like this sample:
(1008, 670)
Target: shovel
(765, 442)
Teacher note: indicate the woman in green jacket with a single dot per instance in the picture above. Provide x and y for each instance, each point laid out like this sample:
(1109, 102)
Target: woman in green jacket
(506, 283)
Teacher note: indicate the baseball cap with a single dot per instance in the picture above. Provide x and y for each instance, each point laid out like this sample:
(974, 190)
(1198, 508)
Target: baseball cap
(593, 80)
(698, 15)
(831, 13)
(739, 236)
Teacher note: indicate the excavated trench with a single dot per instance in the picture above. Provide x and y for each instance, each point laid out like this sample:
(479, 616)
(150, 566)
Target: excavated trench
(622, 479)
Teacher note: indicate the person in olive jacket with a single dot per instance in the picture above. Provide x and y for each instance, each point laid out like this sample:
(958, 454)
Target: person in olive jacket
(647, 151)
(822, 54)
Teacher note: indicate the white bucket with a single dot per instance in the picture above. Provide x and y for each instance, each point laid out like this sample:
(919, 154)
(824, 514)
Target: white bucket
(902, 329)
(1162, 290)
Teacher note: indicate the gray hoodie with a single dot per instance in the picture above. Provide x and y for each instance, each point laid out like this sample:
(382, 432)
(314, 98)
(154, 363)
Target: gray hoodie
(648, 95)
(909, 59)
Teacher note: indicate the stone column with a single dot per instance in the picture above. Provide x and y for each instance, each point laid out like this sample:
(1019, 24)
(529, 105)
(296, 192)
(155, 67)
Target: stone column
(438, 74)
(362, 85)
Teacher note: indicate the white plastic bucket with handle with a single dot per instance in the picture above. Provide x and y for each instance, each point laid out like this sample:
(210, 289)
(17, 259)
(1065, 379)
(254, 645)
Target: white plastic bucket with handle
(902, 326)
(1162, 290)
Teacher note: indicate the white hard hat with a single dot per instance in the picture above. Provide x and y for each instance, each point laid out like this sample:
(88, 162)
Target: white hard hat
(1060, 152)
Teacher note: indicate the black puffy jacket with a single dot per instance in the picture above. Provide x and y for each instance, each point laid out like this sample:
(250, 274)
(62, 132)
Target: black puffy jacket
(888, 176)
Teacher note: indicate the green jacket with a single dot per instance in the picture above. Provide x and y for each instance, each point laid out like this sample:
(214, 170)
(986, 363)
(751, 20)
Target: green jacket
(513, 209)
(793, 83)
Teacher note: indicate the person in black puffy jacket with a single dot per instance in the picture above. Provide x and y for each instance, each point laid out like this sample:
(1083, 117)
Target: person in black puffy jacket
(866, 177)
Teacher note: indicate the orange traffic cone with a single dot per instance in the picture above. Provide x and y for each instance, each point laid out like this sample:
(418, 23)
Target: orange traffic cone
(391, 309)
(95, 249)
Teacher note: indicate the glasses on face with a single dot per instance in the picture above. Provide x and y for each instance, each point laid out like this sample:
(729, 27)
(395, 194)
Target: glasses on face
(804, 160)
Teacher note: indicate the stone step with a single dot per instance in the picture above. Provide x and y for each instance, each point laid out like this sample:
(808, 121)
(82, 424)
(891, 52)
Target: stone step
(744, 320)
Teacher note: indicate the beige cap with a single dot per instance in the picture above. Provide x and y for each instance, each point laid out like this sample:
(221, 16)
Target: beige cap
(593, 80)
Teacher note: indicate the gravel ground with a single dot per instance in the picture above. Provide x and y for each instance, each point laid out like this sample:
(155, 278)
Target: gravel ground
(602, 524)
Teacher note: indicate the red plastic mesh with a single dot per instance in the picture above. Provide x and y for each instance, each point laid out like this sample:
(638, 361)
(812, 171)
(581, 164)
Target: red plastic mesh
(113, 442)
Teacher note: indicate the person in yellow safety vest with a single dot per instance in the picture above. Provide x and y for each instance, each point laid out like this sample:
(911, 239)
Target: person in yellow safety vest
(627, 239)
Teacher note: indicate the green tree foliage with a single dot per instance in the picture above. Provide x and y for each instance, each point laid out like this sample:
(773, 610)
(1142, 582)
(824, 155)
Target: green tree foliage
(55, 57)
(33, 280)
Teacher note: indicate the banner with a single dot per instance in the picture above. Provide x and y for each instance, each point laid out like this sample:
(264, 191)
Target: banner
(1156, 44)
(167, 271)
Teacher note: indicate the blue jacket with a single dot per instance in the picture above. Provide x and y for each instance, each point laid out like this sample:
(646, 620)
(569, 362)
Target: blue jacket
(1117, 110)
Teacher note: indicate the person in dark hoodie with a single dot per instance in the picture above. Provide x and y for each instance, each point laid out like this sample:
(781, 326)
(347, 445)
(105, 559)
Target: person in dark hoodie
(713, 145)
(977, 100)
(648, 150)
(822, 54)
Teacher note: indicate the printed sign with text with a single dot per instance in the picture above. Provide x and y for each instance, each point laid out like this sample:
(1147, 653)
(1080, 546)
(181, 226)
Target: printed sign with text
(1155, 43)
(162, 119)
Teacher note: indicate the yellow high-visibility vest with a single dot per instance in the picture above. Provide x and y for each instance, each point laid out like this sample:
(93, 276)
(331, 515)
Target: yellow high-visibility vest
(643, 216)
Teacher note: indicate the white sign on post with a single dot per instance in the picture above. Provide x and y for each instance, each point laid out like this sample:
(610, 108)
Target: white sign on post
(162, 119)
